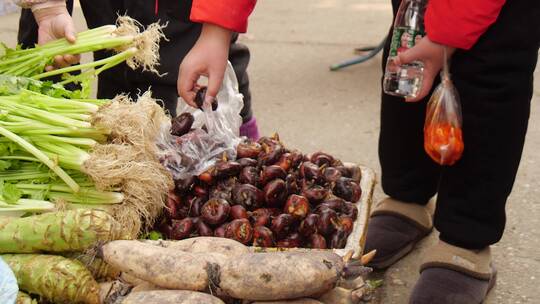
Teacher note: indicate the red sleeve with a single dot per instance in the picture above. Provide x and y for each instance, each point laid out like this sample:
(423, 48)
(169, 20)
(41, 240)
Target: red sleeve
(459, 23)
(230, 14)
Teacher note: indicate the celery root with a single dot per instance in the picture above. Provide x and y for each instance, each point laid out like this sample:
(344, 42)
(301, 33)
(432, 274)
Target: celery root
(71, 230)
(143, 181)
(54, 278)
(134, 123)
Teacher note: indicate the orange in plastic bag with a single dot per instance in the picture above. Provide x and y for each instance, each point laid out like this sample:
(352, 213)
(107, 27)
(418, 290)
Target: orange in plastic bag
(443, 138)
(443, 143)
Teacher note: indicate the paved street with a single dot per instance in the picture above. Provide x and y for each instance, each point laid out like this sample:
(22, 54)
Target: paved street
(293, 43)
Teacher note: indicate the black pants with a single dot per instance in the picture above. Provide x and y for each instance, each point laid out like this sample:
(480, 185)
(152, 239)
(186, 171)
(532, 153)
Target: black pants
(495, 82)
(180, 32)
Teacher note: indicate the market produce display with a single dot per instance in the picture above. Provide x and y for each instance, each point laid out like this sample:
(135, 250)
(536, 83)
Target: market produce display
(81, 179)
(269, 196)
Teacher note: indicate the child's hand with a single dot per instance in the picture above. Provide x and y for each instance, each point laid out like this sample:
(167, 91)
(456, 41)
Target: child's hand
(209, 58)
(54, 23)
(432, 55)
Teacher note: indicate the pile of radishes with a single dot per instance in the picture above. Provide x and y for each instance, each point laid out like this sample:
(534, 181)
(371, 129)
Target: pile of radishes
(269, 196)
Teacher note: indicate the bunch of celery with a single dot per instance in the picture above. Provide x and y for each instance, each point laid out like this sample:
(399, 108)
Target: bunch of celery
(83, 153)
(45, 142)
(60, 149)
(138, 49)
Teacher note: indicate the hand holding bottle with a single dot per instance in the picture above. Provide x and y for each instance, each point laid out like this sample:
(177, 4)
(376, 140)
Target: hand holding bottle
(431, 54)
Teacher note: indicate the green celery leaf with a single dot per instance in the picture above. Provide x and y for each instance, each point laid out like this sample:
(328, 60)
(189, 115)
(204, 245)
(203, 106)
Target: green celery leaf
(39, 195)
(4, 150)
(11, 147)
(10, 193)
(4, 165)
(15, 164)
(11, 85)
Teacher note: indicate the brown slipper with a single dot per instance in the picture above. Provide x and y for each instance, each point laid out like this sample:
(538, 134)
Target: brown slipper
(394, 229)
(451, 274)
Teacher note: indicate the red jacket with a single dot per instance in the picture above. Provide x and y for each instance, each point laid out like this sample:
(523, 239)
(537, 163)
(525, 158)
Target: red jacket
(459, 23)
(230, 14)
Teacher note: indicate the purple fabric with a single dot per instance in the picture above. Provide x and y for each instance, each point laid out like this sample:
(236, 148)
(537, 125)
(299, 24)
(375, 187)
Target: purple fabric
(250, 129)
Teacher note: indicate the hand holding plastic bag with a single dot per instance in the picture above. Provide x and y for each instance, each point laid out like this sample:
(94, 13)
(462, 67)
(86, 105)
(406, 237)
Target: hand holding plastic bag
(443, 138)
(193, 153)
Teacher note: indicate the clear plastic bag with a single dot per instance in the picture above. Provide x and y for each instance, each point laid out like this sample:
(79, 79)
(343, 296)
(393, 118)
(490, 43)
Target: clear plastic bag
(8, 284)
(196, 151)
(443, 138)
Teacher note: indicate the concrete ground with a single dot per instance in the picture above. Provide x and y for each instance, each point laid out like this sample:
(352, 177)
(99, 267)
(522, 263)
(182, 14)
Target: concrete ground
(293, 43)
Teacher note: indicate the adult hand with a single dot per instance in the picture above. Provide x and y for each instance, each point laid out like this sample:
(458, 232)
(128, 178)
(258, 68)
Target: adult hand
(54, 23)
(208, 57)
(431, 54)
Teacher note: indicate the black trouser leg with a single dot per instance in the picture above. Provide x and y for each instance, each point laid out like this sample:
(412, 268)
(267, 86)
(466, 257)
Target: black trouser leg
(472, 195)
(239, 56)
(27, 35)
(113, 81)
(495, 83)
(408, 174)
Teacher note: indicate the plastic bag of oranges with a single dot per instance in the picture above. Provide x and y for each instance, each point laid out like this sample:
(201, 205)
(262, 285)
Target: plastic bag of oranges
(443, 138)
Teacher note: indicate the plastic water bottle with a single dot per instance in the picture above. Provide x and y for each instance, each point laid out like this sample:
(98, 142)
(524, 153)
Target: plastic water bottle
(405, 80)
